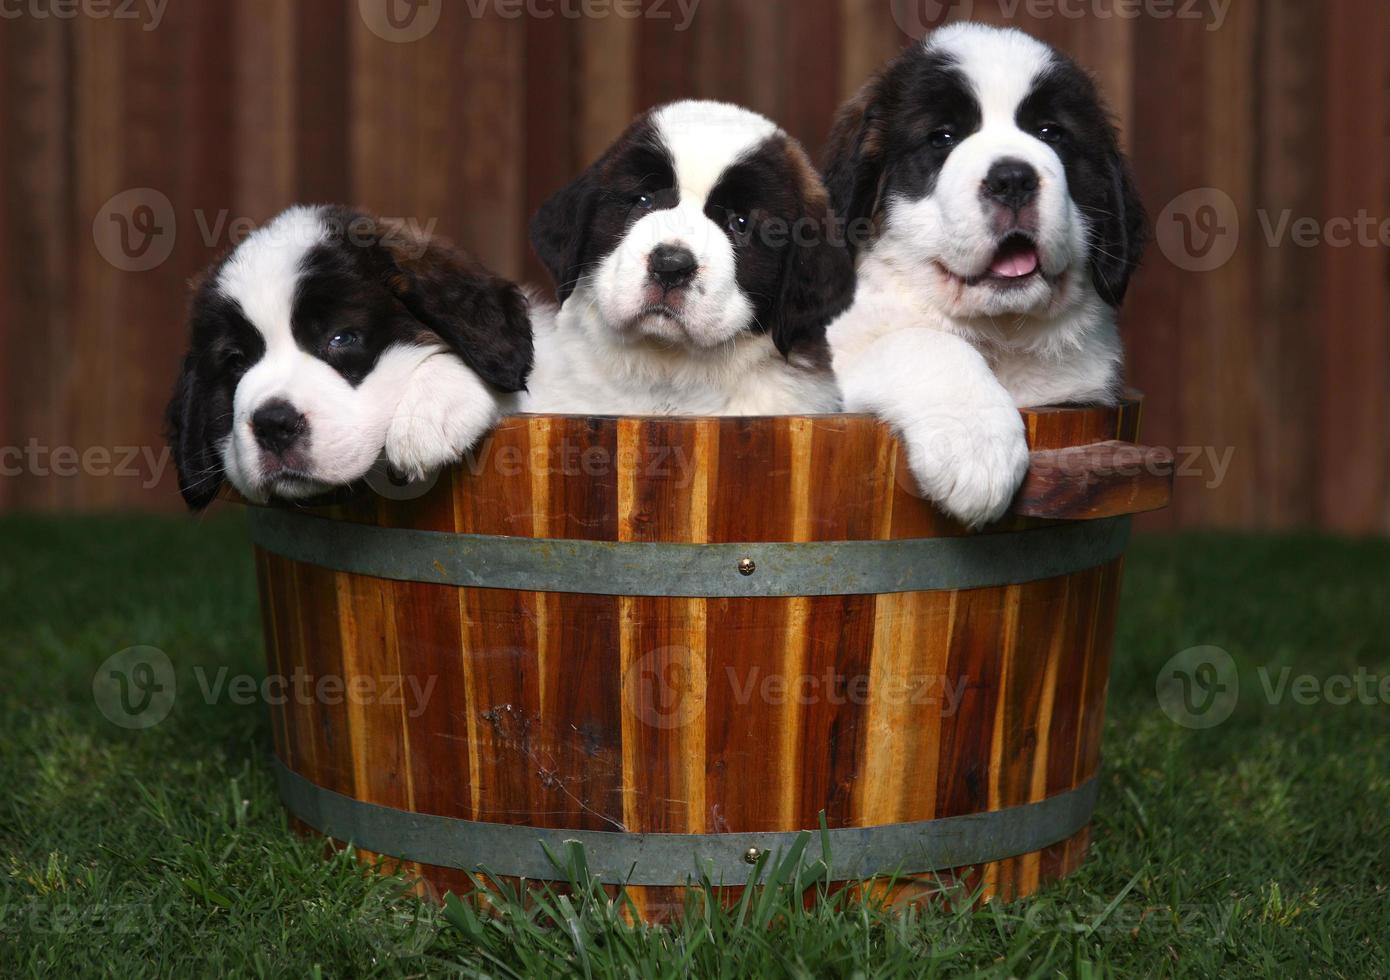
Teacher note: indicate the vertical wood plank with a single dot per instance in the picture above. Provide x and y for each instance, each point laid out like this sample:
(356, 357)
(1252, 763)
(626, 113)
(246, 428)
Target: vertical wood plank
(1292, 92)
(1354, 421)
(1165, 301)
(41, 227)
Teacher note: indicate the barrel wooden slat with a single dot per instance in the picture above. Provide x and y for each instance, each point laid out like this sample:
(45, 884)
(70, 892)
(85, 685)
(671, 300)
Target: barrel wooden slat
(907, 693)
(301, 646)
(584, 712)
(838, 632)
(583, 718)
(270, 633)
(743, 737)
(1098, 675)
(973, 664)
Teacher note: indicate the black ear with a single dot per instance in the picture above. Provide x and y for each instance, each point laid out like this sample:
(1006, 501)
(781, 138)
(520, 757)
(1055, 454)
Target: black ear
(484, 319)
(560, 231)
(192, 434)
(818, 281)
(855, 157)
(1119, 231)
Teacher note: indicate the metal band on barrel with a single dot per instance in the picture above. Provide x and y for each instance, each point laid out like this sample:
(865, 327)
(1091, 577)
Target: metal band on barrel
(766, 570)
(677, 859)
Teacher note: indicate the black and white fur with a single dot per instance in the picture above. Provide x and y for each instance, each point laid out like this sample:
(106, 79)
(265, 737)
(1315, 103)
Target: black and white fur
(697, 269)
(328, 338)
(1002, 229)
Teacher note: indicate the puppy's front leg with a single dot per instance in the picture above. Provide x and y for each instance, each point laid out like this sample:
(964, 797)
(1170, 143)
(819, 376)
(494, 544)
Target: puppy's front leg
(965, 438)
(445, 411)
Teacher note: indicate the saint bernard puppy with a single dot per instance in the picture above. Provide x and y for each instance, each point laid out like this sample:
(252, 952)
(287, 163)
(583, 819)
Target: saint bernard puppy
(996, 226)
(697, 265)
(329, 337)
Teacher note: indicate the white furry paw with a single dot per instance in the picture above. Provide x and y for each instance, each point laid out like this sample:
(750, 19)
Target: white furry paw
(970, 465)
(436, 425)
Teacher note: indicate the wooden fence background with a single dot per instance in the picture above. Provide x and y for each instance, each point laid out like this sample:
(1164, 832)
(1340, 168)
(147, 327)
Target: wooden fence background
(1275, 364)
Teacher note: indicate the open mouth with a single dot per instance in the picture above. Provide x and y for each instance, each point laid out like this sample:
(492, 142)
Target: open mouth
(1016, 263)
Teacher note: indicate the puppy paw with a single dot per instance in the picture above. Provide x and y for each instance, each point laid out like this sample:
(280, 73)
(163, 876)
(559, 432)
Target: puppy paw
(431, 430)
(972, 466)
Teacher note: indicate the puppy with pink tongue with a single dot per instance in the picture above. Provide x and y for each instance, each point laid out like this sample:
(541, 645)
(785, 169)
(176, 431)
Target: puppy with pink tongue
(996, 226)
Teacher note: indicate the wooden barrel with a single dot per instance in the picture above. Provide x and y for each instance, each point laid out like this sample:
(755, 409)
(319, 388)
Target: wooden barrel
(681, 642)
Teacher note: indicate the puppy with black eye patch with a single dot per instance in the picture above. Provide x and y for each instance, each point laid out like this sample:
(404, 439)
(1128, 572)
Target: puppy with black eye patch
(996, 225)
(329, 337)
(698, 265)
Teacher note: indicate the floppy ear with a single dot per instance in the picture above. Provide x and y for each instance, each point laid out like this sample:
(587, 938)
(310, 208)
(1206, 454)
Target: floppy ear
(818, 277)
(855, 157)
(560, 230)
(818, 281)
(192, 439)
(483, 318)
(1119, 233)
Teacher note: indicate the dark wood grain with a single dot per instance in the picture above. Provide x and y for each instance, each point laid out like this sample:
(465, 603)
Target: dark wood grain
(1100, 480)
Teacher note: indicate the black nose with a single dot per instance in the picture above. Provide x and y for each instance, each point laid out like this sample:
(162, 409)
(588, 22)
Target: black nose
(672, 265)
(278, 425)
(1012, 183)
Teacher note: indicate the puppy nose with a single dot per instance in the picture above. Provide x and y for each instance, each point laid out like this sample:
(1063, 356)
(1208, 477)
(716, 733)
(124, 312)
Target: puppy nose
(672, 265)
(277, 425)
(1012, 183)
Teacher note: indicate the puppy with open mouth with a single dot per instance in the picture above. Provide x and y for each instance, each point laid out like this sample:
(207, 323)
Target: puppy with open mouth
(329, 338)
(697, 263)
(997, 226)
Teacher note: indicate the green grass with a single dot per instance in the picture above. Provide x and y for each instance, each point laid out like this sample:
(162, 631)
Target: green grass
(1260, 847)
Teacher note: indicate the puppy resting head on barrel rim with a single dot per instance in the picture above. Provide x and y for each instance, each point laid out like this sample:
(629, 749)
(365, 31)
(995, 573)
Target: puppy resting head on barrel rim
(328, 338)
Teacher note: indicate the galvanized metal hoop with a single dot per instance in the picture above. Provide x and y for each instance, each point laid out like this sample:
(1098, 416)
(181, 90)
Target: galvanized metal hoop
(674, 860)
(765, 570)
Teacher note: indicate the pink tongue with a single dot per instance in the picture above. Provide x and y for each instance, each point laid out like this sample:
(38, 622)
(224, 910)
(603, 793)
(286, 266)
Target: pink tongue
(1016, 265)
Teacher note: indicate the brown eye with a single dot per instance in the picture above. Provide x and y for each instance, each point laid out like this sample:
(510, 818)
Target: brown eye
(737, 223)
(942, 139)
(1051, 133)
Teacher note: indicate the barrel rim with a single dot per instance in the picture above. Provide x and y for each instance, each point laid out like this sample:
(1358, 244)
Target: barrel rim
(678, 860)
(1132, 398)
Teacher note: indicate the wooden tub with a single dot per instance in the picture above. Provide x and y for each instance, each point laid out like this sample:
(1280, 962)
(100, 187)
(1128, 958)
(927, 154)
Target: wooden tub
(680, 642)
